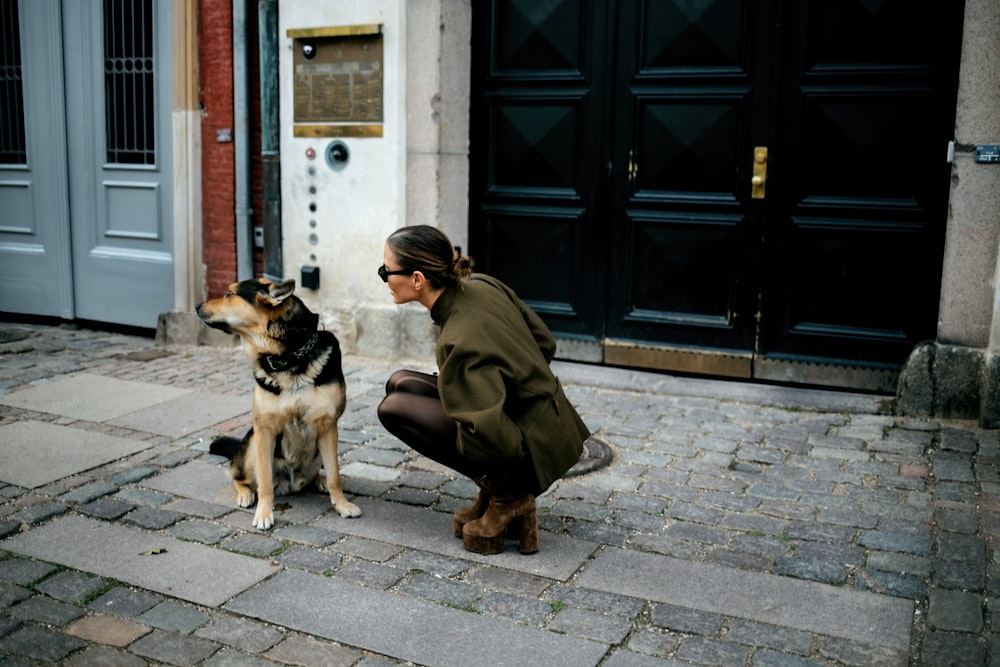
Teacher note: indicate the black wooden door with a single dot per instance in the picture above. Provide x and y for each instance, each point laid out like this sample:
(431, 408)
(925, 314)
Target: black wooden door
(614, 151)
(690, 106)
(865, 101)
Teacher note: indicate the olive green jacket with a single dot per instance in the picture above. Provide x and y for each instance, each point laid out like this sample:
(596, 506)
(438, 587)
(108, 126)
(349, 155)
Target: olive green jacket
(493, 355)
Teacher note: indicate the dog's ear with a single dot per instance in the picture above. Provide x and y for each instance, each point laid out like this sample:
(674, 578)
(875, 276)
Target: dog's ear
(278, 292)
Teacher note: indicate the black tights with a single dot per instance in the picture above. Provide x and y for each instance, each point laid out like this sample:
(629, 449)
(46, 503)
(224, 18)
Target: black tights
(412, 411)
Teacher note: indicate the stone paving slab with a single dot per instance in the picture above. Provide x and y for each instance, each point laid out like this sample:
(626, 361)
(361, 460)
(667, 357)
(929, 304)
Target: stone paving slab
(207, 481)
(33, 454)
(867, 618)
(405, 525)
(186, 570)
(198, 480)
(92, 398)
(185, 414)
(406, 629)
(559, 556)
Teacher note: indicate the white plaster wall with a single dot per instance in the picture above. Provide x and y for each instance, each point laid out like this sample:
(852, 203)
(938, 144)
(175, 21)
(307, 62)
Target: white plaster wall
(453, 118)
(438, 60)
(416, 173)
(356, 208)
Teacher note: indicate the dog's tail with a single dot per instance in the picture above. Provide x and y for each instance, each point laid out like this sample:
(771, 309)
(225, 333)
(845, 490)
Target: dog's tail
(225, 446)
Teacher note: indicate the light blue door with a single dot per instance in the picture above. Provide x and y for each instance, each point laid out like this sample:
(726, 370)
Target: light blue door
(35, 264)
(96, 180)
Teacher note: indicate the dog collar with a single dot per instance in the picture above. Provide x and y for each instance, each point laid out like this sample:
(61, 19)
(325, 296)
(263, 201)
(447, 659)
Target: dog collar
(282, 362)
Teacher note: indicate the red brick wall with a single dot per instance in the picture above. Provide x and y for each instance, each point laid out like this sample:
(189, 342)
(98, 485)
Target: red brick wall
(215, 62)
(215, 25)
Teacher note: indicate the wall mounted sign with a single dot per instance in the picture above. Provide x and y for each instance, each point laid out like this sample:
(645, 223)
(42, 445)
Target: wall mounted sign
(338, 81)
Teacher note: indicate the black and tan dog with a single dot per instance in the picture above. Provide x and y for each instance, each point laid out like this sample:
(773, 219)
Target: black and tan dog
(299, 397)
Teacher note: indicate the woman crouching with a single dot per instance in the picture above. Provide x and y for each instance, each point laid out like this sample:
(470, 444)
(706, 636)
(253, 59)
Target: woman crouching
(494, 412)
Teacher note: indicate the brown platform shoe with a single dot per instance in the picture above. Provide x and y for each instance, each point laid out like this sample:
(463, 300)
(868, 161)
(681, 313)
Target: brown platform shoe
(486, 534)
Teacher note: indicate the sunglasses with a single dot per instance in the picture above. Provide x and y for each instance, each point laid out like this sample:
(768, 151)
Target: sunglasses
(384, 273)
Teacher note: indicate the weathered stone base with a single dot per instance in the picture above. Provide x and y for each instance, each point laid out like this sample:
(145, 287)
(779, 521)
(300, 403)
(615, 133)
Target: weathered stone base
(184, 328)
(952, 382)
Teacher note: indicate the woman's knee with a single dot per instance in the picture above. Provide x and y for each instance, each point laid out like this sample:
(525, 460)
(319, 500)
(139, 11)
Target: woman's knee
(390, 409)
(403, 411)
(412, 382)
(392, 384)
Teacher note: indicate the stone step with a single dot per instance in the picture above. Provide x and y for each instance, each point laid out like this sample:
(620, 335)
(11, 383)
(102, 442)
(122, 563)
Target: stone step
(867, 618)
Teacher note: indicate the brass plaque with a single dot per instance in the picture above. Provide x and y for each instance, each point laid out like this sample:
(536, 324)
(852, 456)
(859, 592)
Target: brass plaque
(321, 131)
(335, 31)
(685, 360)
(337, 79)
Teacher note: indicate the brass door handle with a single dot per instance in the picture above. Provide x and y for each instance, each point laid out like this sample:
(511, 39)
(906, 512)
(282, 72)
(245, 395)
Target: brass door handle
(759, 179)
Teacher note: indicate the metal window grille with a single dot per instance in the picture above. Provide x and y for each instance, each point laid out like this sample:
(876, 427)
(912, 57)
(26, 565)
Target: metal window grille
(13, 149)
(129, 91)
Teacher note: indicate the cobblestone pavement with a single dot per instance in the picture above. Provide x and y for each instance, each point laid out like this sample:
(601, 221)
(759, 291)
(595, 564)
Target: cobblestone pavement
(828, 492)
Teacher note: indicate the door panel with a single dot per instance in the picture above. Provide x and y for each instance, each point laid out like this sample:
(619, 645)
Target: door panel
(536, 151)
(687, 146)
(544, 263)
(121, 203)
(35, 267)
(670, 251)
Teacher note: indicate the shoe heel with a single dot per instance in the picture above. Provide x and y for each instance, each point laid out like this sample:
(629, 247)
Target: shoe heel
(528, 540)
(513, 529)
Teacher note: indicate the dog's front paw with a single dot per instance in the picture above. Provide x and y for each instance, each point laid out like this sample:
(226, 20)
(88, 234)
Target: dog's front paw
(263, 520)
(245, 497)
(347, 509)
